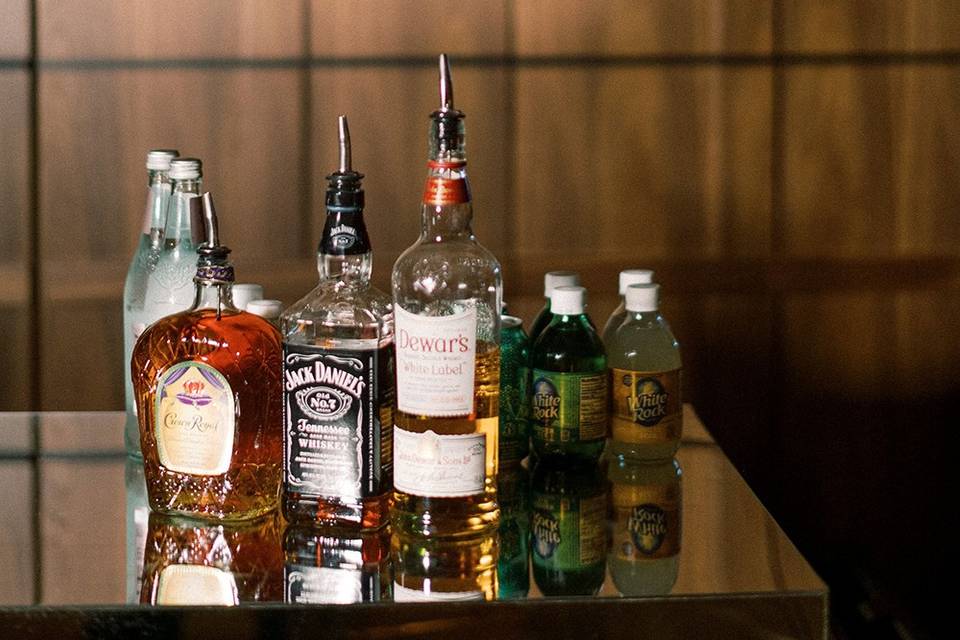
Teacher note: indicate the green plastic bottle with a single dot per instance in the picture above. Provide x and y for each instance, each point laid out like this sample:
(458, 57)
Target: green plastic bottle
(646, 418)
(568, 408)
(551, 280)
(568, 527)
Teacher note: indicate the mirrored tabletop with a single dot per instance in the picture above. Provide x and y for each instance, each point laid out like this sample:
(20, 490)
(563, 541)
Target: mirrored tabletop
(668, 548)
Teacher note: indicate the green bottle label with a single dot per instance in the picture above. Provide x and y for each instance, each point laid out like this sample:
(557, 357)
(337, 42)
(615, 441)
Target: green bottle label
(567, 532)
(568, 407)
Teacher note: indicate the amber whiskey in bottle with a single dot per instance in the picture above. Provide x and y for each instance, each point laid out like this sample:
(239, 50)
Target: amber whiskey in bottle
(447, 295)
(207, 384)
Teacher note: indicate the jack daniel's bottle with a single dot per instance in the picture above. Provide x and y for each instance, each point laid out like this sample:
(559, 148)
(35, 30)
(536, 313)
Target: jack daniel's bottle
(338, 374)
(447, 295)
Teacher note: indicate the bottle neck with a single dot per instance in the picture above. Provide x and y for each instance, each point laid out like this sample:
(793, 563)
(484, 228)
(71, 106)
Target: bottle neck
(346, 270)
(158, 197)
(344, 255)
(177, 227)
(447, 210)
(211, 294)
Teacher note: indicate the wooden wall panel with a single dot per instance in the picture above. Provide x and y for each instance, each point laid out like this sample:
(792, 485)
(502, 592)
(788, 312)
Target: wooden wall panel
(16, 533)
(625, 27)
(870, 25)
(14, 241)
(408, 27)
(14, 29)
(389, 109)
(185, 29)
(869, 161)
(643, 163)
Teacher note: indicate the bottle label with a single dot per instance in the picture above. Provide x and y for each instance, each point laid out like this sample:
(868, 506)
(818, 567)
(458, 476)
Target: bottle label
(439, 466)
(188, 584)
(195, 419)
(406, 594)
(326, 585)
(568, 532)
(450, 187)
(646, 406)
(435, 362)
(344, 233)
(646, 521)
(337, 416)
(568, 407)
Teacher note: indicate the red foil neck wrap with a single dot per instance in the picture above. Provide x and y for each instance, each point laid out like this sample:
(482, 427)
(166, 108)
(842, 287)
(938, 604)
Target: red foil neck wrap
(441, 191)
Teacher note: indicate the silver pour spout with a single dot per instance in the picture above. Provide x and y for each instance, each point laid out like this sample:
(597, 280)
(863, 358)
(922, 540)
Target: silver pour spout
(446, 84)
(203, 221)
(346, 161)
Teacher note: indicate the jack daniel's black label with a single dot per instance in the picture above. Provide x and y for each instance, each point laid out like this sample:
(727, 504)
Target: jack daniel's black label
(337, 421)
(344, 233)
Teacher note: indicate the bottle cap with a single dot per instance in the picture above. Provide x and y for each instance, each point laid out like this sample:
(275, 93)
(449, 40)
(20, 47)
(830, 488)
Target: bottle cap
(568, 301)
(553, 279)
(159, 159)
(634, 276)
(185, 169)
(510, 322)
(269, 309)
(245, 292)
(642, 297)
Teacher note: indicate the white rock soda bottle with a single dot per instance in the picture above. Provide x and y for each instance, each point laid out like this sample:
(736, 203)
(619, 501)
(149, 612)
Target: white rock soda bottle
(447, 295)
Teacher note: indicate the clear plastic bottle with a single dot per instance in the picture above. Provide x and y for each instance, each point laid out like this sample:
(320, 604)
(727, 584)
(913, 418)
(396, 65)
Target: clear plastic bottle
(627, 278)
(645, 380)
(338, 367)
(551, 280)
(647, 499)
(144, 262)
(568, 410)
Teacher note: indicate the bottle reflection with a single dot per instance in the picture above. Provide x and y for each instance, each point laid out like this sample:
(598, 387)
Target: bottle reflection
(644, 558)
(567, 527)
(335, 566)
(513, 567)
(138, 512)
(444, 569)
(192, 562)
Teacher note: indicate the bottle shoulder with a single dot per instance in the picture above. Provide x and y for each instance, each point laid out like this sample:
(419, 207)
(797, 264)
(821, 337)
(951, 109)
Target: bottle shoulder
(426, 257)
(198, 332)
(564, 343)
(643, 344)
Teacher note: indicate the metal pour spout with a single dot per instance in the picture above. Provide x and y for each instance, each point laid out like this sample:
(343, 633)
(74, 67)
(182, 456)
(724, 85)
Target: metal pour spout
(446, 84)
(346, 160)
(203, 219)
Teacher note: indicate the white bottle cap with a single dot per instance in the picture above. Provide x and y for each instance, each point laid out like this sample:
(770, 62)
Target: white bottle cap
(159, 159)
(185, 169)
(634, 276)
(244, 293)
(554, 279)
(269, 309)
(568, 301)
(642, 297)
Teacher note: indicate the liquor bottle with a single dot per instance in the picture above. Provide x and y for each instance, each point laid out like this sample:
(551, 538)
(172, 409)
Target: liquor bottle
(336, 565)
(144, 261)
(192, 562)
(645, 375)
(568, 408)
(568, 527)
(627, 278)
(207, 382)
(442, 569)
(644, 557)
(551, 280)
(447, 295)
(338, 374)
(514, 388)
(513, 566)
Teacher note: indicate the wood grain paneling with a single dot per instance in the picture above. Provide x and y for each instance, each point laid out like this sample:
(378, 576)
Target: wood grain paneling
(408, 27)
(869, 161)
(389, 112)
(870, 25)
(643, 163)
(14, 29)
(16, 534)
(82, 566)
(185, 29)
(625, 27)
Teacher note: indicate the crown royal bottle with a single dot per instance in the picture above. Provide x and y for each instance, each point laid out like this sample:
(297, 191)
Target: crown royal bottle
(447, 294)
(207, 383)
(338, 374)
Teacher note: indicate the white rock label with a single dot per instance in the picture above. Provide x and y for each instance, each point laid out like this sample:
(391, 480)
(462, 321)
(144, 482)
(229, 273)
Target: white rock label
(435, 363)
(436, 466)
